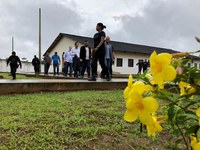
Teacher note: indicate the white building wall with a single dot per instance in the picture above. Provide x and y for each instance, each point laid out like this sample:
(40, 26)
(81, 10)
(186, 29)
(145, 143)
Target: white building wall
(26, 67)
(125, 56)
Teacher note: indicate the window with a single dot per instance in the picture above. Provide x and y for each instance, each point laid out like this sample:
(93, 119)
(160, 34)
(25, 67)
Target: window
(130, 62)
(195, 65)
(189, 64)
(119, 62)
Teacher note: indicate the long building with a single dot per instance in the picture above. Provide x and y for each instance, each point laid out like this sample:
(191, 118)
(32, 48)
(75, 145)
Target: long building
(127, 55)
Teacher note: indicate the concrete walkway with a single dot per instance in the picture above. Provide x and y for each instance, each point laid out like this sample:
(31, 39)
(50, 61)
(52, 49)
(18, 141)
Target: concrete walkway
(58, 85)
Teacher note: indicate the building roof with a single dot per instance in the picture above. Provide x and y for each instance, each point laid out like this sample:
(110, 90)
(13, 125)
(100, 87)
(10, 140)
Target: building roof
(118, 46)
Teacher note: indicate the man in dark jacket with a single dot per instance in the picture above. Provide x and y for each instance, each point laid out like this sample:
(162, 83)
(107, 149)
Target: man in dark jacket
(14, 64)
(36, 64)
(85, 57)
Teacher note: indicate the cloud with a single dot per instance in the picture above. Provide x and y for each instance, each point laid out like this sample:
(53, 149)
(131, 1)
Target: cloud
(171, 24)
(162, 23)
(20, 19)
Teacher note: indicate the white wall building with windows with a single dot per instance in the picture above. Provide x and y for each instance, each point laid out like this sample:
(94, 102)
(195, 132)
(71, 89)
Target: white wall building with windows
(127, 55)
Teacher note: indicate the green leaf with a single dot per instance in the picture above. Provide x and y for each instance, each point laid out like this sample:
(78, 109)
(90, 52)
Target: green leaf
(198, 133)
(192, 116)
(192, 129)
(171, 113)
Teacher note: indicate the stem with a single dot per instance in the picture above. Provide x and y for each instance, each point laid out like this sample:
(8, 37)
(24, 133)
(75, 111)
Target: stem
(186, 143)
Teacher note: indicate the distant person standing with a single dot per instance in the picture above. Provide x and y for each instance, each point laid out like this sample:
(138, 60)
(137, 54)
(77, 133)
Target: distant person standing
(56, 63)
(63, 62)
(145, 65)
(85, 57)
(109, 55)
(68, 62)
(36, 64)
(140, 64)
(47, 63)
(14, 64)
(99, 53)
(76, 60)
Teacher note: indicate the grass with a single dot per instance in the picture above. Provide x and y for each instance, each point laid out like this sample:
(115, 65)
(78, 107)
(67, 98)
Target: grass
(89, 120)
(18, 76)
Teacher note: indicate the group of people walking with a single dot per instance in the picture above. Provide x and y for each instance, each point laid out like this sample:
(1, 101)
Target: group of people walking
(77, 60)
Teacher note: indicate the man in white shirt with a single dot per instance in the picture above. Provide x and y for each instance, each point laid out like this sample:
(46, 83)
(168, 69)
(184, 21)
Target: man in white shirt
(68, 62)
(76, 61)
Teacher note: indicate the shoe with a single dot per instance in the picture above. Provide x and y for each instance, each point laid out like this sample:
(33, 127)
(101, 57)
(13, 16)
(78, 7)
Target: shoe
(108, 79)
(92, 79)
(102, 76)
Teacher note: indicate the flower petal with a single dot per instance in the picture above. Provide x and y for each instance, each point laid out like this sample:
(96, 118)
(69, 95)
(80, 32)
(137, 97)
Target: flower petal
(153, 57)
(126, 92)
(150, 104)
(139, 87)
(158, 78)
(145, 117)
(130, 80)
(164, 58)
(169, 73)
(130, 104)
(130, 115)
(198, 112)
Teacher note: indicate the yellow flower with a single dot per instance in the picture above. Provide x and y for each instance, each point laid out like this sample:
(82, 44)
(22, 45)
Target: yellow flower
(161, 69)
(186, 89)
(154, 127)
(198, 114)
(140, 88)
(139, 107)
(128, 88)
(149, 76)
(195, 144)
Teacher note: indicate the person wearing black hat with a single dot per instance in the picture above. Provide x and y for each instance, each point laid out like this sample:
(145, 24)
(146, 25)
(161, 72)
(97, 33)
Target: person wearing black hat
(14, 64)
(99, 53)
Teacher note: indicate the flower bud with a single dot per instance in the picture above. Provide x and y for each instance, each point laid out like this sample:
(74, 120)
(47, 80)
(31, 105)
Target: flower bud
(179, 70)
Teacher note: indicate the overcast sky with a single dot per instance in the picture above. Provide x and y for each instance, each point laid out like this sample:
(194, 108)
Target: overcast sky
(161, 23)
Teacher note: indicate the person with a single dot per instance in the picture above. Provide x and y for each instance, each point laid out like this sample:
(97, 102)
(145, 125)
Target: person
(85, 58)
(76, 60)
(56, 63)
(109, 55)
(99, 53)
(145, 65)
(36, 64)
(140, 64)
(68, 62)
(47, 63)
(197, 39)
(14, 62)
(63, 62)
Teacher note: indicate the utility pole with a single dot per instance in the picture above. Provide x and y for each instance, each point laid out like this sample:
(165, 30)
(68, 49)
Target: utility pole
(40, 37)
(12, 44)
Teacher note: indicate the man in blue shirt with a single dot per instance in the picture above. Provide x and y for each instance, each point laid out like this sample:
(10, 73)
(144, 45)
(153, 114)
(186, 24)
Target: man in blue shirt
(56, 63)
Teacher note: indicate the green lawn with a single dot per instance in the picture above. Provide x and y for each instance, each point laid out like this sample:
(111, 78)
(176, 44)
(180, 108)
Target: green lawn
(8, 76)
(88, 120)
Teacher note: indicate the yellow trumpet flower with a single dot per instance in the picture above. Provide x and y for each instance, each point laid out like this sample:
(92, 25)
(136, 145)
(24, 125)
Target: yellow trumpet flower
(161, 69)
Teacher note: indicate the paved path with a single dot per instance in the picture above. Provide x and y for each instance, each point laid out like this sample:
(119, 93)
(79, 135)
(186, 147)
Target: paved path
(59, 80)
(56, 85)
